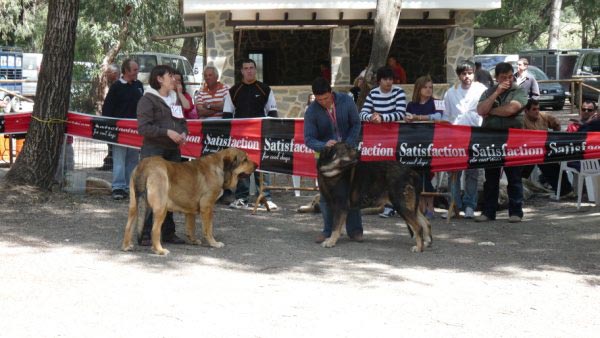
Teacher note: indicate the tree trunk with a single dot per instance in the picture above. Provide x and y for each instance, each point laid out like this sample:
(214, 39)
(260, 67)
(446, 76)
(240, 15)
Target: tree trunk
(554, 24)
(37, 162)
(386, 22)
(189, 50)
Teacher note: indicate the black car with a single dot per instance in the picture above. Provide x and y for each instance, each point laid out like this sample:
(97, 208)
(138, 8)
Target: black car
(552, 94)
(588, 64)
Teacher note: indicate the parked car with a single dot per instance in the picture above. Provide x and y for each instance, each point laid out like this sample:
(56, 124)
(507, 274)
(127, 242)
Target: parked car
(11, 68)
(588, 64)
(199, 68)
(491, 60)
(148, 60)
(552, 94)
(31, 68)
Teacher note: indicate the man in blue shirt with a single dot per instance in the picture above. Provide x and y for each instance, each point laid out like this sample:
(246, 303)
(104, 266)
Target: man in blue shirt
(332, 118)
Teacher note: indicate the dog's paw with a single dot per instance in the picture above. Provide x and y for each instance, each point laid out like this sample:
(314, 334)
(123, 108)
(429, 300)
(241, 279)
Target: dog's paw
(428, 243)
(161, 252)
(328, 243)
(216, 244)
(415, 249)
(127, 247)
(194, 241)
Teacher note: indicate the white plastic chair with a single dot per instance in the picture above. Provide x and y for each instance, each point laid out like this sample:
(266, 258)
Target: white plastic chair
(591, 169)
(564, 168)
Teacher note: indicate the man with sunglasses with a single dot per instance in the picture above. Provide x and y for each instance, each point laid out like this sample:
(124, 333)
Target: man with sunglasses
(587, 111)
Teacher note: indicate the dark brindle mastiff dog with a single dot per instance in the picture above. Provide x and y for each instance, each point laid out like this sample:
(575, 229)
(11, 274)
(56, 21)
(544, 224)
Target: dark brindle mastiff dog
(189, 187)
(346, 183)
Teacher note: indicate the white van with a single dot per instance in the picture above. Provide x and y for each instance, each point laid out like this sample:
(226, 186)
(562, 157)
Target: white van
(148, 60)
(31, 69)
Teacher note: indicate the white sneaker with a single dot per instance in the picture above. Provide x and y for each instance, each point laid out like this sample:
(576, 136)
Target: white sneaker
(387, 212)
(240, 203)
(469, 212)
(272, 205)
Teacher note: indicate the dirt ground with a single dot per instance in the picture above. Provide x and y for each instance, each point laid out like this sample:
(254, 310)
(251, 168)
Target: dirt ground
(63, 275)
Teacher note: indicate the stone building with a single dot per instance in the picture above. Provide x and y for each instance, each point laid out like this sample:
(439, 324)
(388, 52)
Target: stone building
(290, 38)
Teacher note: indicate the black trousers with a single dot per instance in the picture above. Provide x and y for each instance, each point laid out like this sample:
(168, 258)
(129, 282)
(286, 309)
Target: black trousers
(168, 226)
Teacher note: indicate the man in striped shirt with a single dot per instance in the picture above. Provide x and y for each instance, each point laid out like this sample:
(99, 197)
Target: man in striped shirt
(209, 100)
(384, 103)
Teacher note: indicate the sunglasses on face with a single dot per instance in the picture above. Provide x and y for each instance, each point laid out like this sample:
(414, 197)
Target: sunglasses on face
(587, 110)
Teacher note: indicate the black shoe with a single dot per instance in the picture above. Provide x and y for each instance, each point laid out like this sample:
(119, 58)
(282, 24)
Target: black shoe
(173, 239)
(119, 194)
(144, 240)
(226, 199)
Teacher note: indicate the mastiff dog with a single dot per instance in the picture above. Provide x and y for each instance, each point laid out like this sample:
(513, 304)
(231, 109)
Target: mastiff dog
(347, 183)
(189, 187)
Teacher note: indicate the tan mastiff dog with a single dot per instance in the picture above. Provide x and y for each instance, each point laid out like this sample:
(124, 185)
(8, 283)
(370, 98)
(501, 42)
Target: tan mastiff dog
(189, 187)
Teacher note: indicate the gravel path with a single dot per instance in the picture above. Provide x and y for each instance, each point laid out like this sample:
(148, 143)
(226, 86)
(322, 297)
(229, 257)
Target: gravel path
(63, 275)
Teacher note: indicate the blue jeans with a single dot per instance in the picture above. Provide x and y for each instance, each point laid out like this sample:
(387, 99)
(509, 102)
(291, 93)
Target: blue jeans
(353, 221)
(124, 160)
(243, 187)
(469, 198)
(491, 190)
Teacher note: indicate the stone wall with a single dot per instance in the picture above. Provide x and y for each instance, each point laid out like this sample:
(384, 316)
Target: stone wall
(461, 42)
(292, 56)
(219, 45)
(419, 51)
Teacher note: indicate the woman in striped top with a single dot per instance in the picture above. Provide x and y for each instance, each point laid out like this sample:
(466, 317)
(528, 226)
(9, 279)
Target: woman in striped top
(385, 103)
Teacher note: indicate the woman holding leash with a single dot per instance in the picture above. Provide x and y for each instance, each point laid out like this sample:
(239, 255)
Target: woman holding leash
(422, 108)
(162, 124)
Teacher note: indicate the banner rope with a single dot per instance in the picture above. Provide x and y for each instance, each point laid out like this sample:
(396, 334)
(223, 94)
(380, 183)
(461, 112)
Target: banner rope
(48, 123)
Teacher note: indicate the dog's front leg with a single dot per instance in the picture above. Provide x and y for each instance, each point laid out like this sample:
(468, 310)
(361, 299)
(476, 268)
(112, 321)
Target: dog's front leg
(207, 227)
(339, 219)
(190, 227)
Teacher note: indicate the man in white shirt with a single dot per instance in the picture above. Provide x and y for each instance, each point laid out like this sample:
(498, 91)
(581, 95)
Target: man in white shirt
(460, 103)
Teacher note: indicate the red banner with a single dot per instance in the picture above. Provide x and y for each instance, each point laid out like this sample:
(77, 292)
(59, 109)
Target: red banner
(277, 145)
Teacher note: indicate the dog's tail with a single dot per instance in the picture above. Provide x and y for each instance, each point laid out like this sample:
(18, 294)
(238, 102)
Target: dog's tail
(137, 188)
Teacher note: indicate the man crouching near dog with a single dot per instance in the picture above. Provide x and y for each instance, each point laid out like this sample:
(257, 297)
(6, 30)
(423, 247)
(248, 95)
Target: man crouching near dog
(163, 126)
(332, 118)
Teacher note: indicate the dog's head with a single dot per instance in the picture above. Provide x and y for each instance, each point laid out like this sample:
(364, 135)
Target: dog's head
(336, 159)
(236, 164)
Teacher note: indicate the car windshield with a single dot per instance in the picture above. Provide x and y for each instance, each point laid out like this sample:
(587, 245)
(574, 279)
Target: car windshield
(537, 73)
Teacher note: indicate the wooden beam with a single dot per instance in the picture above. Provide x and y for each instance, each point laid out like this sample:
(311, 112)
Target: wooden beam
(315, 22)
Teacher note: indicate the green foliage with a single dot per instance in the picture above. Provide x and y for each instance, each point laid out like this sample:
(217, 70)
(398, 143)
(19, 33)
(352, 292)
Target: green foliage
(23, 23)
(580, 20)
(532, 18)
(101, 21)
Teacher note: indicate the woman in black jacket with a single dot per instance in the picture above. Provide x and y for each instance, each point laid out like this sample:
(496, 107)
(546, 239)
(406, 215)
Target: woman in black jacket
(164, 128)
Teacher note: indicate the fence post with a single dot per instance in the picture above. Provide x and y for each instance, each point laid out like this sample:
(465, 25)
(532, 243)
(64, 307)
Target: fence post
(60, 170)
(580, 98)
(572, 97)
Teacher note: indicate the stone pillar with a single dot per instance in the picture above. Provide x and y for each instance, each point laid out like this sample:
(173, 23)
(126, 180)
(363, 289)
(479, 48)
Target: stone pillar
(461, 43)
(340, 56)
(220, 46)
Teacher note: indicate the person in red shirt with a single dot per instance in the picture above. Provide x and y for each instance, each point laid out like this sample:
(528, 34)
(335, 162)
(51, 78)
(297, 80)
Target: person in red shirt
(586, 111)
(187, 104)
(399, 72)
(325, 71)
